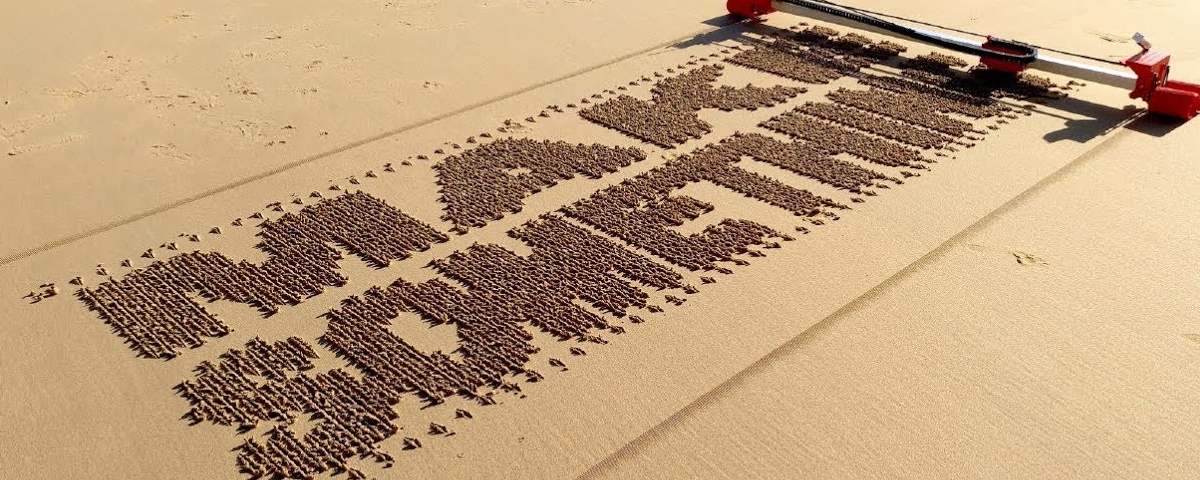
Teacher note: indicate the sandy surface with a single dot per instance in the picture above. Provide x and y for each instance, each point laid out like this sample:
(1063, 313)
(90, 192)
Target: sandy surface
(1022, 310)
(1039, 343)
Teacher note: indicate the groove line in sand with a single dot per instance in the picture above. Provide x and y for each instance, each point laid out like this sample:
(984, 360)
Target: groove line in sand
(349, 146)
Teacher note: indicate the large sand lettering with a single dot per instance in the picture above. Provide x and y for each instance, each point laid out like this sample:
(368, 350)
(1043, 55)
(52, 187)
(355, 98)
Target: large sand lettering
(670, 119)
(576, 284)
(268, 383)
(154, 311)
(815, 56)
(480, 185)
(505, 292)
(641, 211)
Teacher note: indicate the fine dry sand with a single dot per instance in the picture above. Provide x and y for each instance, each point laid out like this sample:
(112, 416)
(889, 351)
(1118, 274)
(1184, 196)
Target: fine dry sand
(1022, 310)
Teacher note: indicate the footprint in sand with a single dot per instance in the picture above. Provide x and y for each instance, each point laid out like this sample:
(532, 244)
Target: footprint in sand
(30, 148)
(169, 150)
(1028, 260)
(1192, 336)
(74, 92)
(71, 93)
(241, 87)
(250, 130)
(1112, 38)
(1023, 259)
(13, 130)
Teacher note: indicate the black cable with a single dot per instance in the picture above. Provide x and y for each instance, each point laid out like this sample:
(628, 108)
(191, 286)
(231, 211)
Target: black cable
(955, 30)
(1026, 57)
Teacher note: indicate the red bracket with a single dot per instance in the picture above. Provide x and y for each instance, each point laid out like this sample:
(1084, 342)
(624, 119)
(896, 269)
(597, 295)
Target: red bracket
(1152, 69)
(1005, 46)
(1176, 99)
(749, 8)
(1165, 97)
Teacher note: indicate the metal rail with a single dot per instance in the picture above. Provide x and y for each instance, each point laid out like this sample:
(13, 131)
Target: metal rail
(837, 15)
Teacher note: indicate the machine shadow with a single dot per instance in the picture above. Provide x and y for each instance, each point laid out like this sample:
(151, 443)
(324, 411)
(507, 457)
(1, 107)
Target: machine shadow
(722, 21)
(1155, 125)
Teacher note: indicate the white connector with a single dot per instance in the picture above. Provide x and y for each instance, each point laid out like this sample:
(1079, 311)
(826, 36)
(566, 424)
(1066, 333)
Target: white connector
(1141, 40)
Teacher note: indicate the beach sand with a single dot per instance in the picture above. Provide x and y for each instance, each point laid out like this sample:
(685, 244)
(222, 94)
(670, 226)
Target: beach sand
(1020, 310)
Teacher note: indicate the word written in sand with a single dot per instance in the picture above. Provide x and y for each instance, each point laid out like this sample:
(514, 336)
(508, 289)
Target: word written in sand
(670, 119)
(153, 308)
(593, 267)
(505, 293)
(490, 168)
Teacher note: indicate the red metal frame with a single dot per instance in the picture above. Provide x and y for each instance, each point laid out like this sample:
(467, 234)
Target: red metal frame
(997, 45)
(1152, 69)
(1164, 97)
(749, 8)
(1176, 99)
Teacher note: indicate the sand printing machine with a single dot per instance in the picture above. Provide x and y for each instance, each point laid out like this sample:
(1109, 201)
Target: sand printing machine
(1148, 79)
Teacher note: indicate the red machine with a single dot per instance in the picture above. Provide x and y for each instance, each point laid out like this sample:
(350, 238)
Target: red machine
(1148, 81)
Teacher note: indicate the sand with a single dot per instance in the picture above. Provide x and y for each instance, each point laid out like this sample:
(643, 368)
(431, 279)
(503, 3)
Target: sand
(1011, 312)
